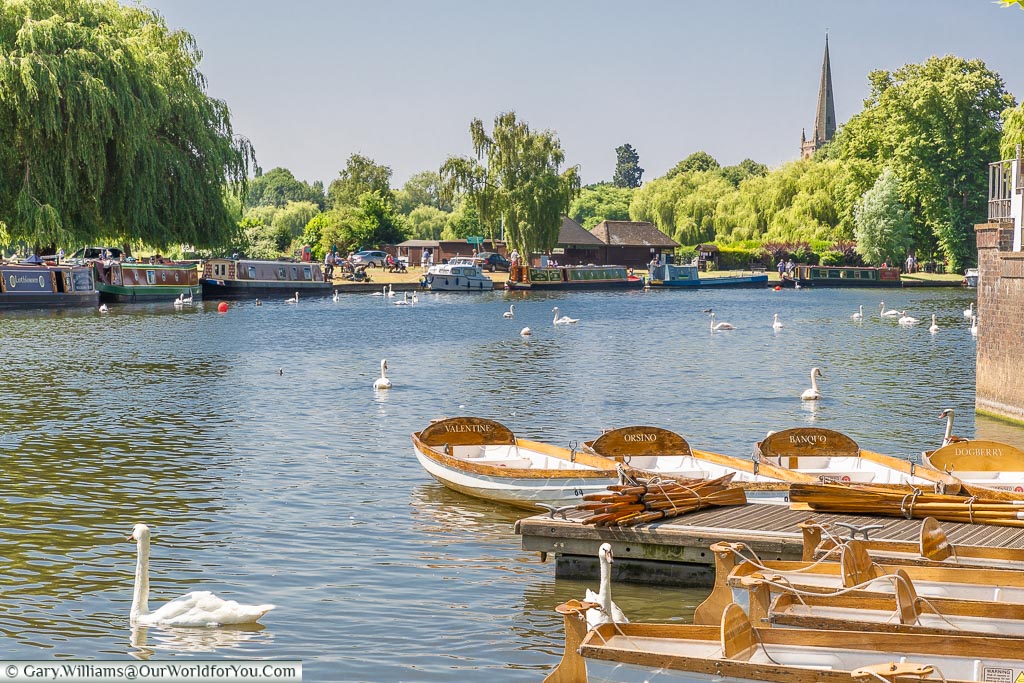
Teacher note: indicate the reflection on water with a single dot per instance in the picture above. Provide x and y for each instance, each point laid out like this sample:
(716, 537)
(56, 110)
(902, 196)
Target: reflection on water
(253, 444)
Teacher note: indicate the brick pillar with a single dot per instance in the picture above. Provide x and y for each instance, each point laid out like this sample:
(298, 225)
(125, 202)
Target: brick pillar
(1000, 356)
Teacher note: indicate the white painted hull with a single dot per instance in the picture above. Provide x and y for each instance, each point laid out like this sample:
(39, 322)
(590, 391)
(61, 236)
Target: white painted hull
(561, 488)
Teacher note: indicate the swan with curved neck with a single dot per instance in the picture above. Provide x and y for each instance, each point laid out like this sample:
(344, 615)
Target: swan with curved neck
(934, 328)
(199, 608)
(969, 311)
(608, 612)
(777, 325)
(510, 313)
(906, 319)
(949, 437)
(859, 315)
(891, 313)
(383, 382)
(294, 299)
(974, 326)
(813, 394)
(720, 326)
(564, 320)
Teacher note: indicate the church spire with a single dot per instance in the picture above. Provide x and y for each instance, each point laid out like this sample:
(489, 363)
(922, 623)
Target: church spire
(825, 119)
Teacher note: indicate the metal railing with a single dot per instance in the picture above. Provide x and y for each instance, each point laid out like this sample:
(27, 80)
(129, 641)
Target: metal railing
(1000, 190)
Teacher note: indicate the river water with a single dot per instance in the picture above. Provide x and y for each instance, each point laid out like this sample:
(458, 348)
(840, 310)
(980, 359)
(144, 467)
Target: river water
(269, 470)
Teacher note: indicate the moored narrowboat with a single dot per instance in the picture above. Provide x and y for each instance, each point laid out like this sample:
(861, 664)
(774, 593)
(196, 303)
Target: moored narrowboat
(32, 285)
(842, 276)
(140, 281)
(228, 277)
(687, 276)
(571, 277)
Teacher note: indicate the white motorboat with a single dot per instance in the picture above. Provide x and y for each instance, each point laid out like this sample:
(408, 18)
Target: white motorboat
(460, 274)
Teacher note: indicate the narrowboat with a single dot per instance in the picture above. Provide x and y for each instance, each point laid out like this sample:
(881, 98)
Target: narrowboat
(460, 274)
(140, 281)
(229, 277)
(571, 277)
(842, 276)
(687, 276)
(38, 284)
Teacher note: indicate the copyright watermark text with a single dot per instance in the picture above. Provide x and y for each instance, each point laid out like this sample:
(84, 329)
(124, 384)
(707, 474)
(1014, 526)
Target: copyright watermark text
(192, 671)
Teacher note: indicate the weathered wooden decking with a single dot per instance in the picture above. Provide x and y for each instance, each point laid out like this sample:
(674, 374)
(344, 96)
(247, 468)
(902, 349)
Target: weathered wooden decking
(675, 552)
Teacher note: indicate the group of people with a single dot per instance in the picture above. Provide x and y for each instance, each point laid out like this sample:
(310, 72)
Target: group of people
(786, 267)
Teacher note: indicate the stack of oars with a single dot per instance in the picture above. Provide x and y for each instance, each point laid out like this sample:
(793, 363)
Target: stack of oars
(651, 500)
(908, 504)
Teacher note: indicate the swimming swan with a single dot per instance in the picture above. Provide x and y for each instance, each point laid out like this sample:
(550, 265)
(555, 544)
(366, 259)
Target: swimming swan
(891, 313)
(383, 382)
(383, 292)
(974, 326)
(198, 608)
(103, 308)
(969, 311)
(404, 301)
(813, 394)
(184, 299)
(294, 299)
(777, 325)
(719, 326)
(934, 328)
(564, 320)
(859, 315)
(525, 332)
(180, 301)
(949, 437)
(608, 612)
(510, 313)
(906, 319)
(335, 295)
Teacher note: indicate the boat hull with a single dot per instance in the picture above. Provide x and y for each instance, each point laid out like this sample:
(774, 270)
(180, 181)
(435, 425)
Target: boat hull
(120, 294)
(447, 283)
(226, 289)
(46, 286)
(750, 281)
(841, 276)
(51, 300)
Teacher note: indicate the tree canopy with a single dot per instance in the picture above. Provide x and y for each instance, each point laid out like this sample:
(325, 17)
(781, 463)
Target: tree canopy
(520, 185)
(278, 186)
(106, 130)
(601, 202)
(883, 224)
(627, 167)
(360, 175)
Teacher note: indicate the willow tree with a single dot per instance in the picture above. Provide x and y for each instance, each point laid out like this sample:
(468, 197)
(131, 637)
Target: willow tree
(518, 184)
(106, 130)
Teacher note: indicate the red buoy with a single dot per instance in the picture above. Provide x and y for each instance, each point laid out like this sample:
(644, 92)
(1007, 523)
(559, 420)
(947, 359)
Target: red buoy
(222, 307)
(778, 288)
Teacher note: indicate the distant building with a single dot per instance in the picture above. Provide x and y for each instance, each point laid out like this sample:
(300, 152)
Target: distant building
(825, 117)
(577, 245)
(632, 243)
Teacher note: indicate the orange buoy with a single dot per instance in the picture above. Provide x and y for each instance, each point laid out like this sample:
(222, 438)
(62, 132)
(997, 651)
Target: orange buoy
(222, 307)
(778, 288)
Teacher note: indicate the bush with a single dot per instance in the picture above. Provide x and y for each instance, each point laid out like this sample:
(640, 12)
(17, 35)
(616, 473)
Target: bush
(736, 258)
(833, 258)
(685, 254)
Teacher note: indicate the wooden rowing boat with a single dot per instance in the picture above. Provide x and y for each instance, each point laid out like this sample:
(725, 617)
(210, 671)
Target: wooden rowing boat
(985, 464)
(855, 573)
(903, 612)
(931, 549)
(644, 451)
(732, 649)
(830, 456)
(1003, 508)
(483, 458)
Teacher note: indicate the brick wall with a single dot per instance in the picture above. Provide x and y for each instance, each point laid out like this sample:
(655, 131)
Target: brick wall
(1000, 357)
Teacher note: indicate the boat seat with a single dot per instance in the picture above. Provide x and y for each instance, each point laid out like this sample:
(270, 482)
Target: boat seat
(513, 463)
(830, 475)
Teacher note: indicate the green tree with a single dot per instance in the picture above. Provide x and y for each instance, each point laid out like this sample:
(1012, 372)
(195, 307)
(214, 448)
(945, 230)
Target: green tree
(426, 222)
(107, 130)
(377, 222)
(520, 184)
(627, 167)
(601, 202)
(463, 222)
(935, 124)
(278, 186)
(421, 189)
(360, 175)
(747, 168)
(289, 222)
(698, 161)
(883, 224)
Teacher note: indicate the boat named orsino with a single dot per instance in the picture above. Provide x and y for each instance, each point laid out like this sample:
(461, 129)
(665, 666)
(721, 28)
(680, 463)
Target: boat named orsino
(687, 276)
(830, 456)
(460, 274)
(145, 281)
(656, 452)
(989, 465)
(842, 276)
(41, 285)
(732, 649)
(571, 277)
(227, 277)
(483, 458)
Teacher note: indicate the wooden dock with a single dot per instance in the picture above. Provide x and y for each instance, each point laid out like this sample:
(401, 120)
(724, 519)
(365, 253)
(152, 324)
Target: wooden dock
(675, 552)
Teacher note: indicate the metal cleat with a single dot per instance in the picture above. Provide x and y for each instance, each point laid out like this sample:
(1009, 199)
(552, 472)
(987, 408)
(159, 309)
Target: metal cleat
(853, 529)
(552, 510)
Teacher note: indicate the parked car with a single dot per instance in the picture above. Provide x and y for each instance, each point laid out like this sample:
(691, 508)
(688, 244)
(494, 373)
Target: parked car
(369, 258)
(492, 261)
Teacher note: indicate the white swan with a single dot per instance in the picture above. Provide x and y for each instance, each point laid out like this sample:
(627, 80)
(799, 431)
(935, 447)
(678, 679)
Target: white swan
(891, 313)
(608, 612)
(974, 326)
(813, 394)
(404, 301)
(777, 325)
(564, 320)
(969, 311)
(186, 300)
(199, 608)
(294, 299)
(391, 292)
(383, 382)
(906, 319)
(383, 292)
(258, 302)
(934, 328)
(859, 315)
(335, 295)
(719, 326)
(949, 437)
(180, 301)
(415, 299)
(525, 332)
(510, 313)
(103, 308)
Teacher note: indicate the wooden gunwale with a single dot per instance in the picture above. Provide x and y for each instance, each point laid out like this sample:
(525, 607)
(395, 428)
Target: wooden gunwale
(516, 472)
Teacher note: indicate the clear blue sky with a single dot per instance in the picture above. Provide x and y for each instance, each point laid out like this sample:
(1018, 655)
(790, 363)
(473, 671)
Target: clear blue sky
(309, 82)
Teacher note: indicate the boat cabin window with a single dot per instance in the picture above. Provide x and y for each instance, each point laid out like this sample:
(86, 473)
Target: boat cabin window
(295, 273)
(151, 277)
(307, 272)
(282, 274)
(82, 280)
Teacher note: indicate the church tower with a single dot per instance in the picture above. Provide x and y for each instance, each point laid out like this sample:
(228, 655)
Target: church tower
(825, 117)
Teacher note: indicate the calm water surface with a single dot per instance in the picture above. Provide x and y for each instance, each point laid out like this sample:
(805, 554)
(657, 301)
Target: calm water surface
(270, 471)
